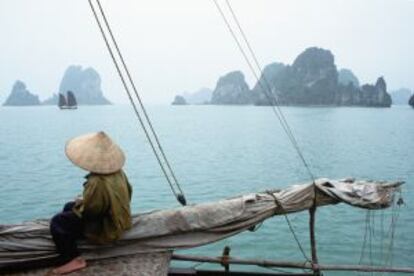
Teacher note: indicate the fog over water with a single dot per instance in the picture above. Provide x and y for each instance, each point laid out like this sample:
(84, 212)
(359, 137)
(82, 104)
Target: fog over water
(183, 45)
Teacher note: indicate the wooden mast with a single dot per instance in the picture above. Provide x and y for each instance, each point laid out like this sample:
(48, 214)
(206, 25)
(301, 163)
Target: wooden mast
(315, 265)
(291, 264)
(312, 212)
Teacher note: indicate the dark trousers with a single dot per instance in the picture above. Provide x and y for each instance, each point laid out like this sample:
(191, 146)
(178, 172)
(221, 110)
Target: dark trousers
(66, 227)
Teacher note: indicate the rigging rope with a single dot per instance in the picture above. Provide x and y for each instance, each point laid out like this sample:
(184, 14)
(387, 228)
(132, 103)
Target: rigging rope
(273, 100)
(384, 259)
(292, 230)
(274, 103)
(161, 157)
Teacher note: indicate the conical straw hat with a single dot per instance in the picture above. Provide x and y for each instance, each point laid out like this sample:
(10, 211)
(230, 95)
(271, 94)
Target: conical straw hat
(95, 152)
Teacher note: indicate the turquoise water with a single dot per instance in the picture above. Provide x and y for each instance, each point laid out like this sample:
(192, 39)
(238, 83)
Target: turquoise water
(217, 152)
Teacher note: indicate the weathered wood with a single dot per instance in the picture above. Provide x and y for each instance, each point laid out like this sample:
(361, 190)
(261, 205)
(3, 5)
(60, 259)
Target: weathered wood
(147, 264)
(233, 260)
(290, 264)
(203, 272)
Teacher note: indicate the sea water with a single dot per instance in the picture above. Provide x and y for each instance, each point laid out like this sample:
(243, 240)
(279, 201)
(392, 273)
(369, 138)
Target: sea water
(223, 151)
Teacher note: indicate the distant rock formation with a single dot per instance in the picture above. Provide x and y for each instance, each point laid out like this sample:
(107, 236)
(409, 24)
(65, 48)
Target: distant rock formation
(179, 100)
(271, 75)
(401, 96)
(375, 95)
(232, 89)
(201, 96)
(20, 96)
(85, 84)
(411, 101)
(313, 79)
(346, 76)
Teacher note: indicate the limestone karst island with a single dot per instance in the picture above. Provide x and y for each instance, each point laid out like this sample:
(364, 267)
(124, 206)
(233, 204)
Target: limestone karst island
(312, 80)
(84, 83)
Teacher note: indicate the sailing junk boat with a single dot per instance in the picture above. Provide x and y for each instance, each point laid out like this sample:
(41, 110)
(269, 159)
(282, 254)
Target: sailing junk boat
(70, 103)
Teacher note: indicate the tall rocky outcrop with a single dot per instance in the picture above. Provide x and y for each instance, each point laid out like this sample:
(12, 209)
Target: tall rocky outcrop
(375, 95)
(347, 95)
(85, 84)
(313, 79)
(271, 75)
(232, 89)
(21, 96)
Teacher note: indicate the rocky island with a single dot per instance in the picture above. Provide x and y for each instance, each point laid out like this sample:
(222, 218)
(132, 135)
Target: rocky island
(232, 89)
(21, 96)
(85, 84)
(312, 79)
(179, 100)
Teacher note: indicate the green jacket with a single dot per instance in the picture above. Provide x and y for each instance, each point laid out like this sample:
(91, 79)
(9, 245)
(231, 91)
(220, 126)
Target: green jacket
(105, 206)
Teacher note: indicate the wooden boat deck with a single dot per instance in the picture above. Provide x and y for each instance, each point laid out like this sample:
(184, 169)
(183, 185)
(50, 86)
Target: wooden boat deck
(148, 264)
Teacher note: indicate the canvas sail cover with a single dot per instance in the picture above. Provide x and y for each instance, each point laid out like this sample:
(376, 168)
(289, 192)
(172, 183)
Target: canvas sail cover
(196, 225)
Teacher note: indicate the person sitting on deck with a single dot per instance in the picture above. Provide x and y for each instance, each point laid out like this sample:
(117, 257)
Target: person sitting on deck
(103, 214)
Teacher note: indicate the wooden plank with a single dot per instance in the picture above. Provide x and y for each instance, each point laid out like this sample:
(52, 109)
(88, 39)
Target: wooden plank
(290, 264)
(194, 272)
(312, 212)
(149, 264)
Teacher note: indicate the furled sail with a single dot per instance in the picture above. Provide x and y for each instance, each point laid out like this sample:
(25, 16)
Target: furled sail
(196, 225)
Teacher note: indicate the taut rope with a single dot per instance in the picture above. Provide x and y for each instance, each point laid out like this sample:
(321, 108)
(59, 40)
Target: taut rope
(160, 156)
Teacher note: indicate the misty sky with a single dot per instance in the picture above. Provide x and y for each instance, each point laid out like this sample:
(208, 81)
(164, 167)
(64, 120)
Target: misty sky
(183, 45)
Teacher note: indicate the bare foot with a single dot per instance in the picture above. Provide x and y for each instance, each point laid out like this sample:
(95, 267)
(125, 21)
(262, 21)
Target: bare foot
(75, 264)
